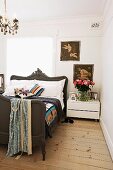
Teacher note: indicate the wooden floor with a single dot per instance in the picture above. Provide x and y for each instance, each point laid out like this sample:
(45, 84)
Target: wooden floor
(77, 146)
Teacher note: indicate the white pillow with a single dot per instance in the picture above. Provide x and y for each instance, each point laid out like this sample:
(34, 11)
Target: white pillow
(9, 91)
(28, 84)
(60, 82)
(48, 83)
(52, 88)
(51, 91)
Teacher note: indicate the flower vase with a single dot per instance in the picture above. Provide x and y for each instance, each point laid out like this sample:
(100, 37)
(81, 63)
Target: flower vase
(83, 96)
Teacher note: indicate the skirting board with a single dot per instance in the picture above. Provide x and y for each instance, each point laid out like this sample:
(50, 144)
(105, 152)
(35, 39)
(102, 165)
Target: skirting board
(107, 137)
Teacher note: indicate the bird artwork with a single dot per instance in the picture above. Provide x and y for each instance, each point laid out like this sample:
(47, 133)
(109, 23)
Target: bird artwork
(70, 50)
(73, 55)
(67, 47)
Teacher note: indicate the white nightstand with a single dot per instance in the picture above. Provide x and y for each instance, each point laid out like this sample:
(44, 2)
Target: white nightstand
(89, 109)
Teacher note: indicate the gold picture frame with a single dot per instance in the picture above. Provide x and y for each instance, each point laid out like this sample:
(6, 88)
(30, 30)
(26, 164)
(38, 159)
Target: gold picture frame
(72, 95)
(83, 71)
(1, 83)
(94, 95)
(70, 50)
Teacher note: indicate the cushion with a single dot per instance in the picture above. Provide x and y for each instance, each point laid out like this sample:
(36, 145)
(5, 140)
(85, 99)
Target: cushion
(9, 91)
(58, 83)
(37, 90)
(28, 84)
(52, 91)
(18, 84)
(52, 88)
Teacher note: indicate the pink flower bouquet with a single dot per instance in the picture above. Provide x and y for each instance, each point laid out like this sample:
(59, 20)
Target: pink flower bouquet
(83, 85)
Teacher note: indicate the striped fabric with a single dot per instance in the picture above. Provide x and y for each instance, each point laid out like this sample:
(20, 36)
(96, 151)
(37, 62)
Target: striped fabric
(51, 113)
(36, 90)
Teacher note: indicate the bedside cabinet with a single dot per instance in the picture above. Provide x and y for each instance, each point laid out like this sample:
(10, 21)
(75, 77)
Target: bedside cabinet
(81, 109)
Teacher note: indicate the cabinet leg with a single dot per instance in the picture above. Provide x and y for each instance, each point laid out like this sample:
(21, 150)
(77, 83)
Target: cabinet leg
(96, 120)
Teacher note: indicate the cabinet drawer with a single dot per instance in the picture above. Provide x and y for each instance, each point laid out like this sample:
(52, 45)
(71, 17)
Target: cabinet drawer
(77, 105)
(83, 114)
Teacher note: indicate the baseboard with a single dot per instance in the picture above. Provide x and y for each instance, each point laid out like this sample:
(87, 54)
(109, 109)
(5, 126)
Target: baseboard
(107, 137)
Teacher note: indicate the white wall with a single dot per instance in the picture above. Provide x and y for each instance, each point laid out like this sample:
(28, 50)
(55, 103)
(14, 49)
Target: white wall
(69, 29)
(90, 53)
(107, 79)
(2, 55)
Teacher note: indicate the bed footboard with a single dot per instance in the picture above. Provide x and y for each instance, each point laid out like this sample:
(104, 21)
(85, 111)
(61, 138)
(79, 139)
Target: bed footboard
(38, 110)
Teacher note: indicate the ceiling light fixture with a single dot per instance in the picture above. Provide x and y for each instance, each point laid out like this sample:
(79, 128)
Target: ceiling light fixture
(7, 26)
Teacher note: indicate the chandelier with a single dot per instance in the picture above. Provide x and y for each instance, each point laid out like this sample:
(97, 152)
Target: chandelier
(7, 26)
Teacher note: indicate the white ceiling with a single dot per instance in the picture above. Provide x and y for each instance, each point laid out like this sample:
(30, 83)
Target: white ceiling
(50, 9)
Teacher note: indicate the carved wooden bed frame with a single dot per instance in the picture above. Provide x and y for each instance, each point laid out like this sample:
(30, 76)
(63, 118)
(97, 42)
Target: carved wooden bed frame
(39, 75)
(38, 111)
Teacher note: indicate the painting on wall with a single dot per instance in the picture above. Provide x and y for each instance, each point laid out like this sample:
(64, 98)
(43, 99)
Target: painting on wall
(70, 50)
(83, 71)
(1, 83)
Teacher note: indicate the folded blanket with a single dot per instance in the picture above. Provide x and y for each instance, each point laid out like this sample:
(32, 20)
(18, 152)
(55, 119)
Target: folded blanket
(51, 113)
(20, 127)
(53, 101)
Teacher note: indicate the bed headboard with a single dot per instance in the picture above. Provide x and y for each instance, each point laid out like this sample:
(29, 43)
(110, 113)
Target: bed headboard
(39, 75)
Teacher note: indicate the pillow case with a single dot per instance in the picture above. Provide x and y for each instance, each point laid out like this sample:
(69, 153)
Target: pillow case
(52, 88)
(51, 91)
(28, 84)
(58, 83)
(18, 84)
(37, 90)
(9, 91)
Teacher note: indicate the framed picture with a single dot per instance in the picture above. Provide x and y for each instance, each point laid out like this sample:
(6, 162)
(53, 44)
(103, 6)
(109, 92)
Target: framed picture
(1, 83)
(83, 71)
(70, 50)
(72, 95)
(94, 95)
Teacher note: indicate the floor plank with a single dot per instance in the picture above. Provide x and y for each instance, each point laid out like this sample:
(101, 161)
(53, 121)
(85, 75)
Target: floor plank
(77, 146)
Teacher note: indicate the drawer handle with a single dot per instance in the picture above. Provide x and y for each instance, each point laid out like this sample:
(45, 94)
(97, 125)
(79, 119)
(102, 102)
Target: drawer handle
(85, 110)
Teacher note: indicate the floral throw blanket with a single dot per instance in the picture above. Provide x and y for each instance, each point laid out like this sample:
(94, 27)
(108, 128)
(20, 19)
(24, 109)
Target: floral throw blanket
(20, 127)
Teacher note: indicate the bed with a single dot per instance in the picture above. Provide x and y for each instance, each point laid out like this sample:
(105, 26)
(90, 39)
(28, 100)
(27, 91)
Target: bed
(40, 129)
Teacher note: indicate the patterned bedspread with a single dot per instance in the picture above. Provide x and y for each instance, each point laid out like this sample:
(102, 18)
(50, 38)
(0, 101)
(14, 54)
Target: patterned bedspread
(53, 109)
(51, 113)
